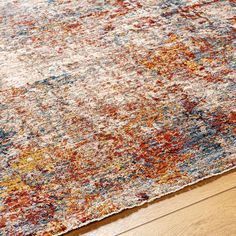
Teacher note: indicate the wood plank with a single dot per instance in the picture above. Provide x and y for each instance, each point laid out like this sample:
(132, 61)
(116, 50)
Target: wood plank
(215, 216)
(134, 217)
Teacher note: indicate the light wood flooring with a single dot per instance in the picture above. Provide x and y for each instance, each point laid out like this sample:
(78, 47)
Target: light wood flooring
(204, 209)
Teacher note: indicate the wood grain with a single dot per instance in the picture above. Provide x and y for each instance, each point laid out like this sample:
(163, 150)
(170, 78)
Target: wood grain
(137, 216)
(215, 216)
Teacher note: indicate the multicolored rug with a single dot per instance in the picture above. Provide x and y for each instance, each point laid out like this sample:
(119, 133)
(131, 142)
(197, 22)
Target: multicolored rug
(108, 104)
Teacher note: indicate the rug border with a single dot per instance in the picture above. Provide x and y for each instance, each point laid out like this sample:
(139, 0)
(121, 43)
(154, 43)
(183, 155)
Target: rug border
(146, 201)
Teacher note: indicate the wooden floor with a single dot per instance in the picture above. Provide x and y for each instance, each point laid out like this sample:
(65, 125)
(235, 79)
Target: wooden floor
(204, 209)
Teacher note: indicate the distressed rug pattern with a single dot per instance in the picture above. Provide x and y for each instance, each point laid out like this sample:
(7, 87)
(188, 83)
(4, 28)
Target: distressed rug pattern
(108, 104)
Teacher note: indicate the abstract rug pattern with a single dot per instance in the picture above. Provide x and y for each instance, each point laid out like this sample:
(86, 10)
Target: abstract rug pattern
(108, 104)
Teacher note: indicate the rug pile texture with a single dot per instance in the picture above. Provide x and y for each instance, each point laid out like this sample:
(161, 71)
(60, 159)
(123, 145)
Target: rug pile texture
(108, 104)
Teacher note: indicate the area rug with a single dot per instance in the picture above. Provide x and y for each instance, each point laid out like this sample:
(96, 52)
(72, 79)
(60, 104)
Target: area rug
(108, 104)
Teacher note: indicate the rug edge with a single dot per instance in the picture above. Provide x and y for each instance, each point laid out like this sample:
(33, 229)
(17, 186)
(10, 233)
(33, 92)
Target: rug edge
(146, 201)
